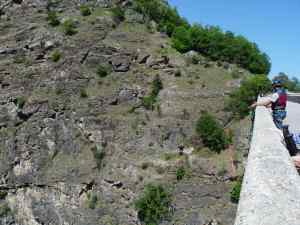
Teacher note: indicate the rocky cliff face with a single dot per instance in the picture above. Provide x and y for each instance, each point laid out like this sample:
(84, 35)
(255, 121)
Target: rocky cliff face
(77, 146)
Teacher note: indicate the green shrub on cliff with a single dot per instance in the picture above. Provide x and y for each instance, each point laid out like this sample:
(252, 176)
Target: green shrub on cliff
(236, 191)
(53, 18)
(69, 27)
(211, 132)
(153, 205)
(240, 99)
(149, 101)
(85, 10)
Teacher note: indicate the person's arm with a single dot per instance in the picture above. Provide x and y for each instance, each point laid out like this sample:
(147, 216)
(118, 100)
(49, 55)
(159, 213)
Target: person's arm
(266, 103)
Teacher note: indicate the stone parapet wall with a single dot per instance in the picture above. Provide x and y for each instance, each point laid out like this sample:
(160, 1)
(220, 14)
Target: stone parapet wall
(271, 187)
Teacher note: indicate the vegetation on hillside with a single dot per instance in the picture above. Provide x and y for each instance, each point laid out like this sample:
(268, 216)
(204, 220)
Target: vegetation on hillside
(149, 101)
(211, 132)
(153, 205)
(210, 41)
(236, 191)
(240, 99)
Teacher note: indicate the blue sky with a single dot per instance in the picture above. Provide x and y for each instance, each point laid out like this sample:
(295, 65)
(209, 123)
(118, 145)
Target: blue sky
(273, 25)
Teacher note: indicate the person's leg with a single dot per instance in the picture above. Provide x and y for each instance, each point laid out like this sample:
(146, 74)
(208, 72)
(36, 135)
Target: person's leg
(278, 117)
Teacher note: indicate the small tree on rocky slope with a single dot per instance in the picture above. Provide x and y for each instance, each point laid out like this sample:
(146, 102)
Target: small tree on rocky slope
(153, 205)
(211, 132)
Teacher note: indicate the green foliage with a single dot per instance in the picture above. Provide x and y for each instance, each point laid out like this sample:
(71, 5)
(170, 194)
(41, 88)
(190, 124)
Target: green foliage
(247, 93)
(149, 101)
(236, 190)
(85, 10)
(211, 132)
(4, 210)
(159, 11)
(153, 205)
(83, 93)
(56, 56)
(118, 13)
(210, 41)
(180, 173)
(53, 18)
(20, 102)
(103, 71)
(3, 194)
(99, 154)
(215, 44)
(69, 27)
(92, 200)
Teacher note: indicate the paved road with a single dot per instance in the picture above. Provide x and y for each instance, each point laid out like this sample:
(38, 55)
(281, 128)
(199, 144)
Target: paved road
(293, 114)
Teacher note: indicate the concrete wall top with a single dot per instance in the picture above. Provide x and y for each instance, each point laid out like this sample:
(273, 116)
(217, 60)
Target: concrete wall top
(271, 187)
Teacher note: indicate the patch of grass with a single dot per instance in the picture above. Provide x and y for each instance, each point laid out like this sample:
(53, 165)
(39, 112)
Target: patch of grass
(153, 205)
(99, 154)
(85, 10)
(92, 200)
(146, 165)
(236, 191)
(160, 169)
(22, 59)
(52, 19)
(3, 195)
(83, 93)
(69, 27)
(20, 102)
(180, 173)
(149, 101)
(118, 13)
(4, 210)
(222, 168)
(56, 56)
(170, 156)
(103, 71)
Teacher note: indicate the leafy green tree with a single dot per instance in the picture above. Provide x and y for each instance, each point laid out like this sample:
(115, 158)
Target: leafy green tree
(247, 93)
(181, 39)
(210, 41)
(211, 132)
(153, 205)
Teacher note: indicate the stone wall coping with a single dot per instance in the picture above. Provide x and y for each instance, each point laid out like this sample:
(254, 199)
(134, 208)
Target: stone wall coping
(271, 187)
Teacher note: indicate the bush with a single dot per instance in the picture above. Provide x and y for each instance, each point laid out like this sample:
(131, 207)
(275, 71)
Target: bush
(92, 200)
(180, 173)
(239, 100)
(118, 13)
(55, 56)
(211, 133)
(53, 18)
(69, 27)
(83, 93)
(3, 195)
(4, 210)
(85, 10)
(99, 154)
(235, 192)
(20, 102)
(103, 71)
(153, 205)
(149, 101)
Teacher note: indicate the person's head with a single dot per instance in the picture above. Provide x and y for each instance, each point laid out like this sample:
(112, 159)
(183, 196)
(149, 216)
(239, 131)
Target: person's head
(277, 84)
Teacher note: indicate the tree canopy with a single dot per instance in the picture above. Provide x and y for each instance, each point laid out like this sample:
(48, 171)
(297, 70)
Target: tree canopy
(211, 41)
